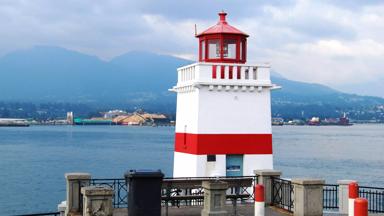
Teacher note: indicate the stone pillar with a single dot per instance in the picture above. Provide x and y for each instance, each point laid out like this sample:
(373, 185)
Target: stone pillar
(343, 195)
(97, 200)
(308, 197)
(62, 207)
(74, 183)
(264, 178)
(214, 198)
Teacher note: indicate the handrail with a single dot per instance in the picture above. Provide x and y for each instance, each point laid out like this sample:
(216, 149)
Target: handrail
(282, 193)
(375, 197)
(37, 214)
(331, 196)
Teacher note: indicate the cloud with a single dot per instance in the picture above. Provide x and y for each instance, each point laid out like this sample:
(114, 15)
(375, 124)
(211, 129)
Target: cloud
(332, 42)
(323, 43)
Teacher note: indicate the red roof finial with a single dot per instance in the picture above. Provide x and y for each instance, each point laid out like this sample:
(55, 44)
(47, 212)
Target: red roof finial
(222, 27)
(222, 15)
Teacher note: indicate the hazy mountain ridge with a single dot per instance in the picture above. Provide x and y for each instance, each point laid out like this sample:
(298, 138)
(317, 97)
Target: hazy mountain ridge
(56, 74)
(52, 74)
(301, 92)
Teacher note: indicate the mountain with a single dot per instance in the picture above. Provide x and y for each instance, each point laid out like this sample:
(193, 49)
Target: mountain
(52, 74)
(141, 79)
(156, 73)
(46, 74)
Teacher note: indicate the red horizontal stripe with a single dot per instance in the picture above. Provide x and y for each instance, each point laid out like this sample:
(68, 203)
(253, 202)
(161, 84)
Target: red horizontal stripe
(223, 143)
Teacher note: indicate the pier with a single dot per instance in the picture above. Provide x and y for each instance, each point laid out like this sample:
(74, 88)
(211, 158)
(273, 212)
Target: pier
(188, 196)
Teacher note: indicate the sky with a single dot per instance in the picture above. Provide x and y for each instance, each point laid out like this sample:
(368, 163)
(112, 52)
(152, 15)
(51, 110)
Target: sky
(339, 43)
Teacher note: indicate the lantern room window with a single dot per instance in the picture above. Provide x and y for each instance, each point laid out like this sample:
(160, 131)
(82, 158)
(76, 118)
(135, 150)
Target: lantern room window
(214, 49)
(241, 50)
(229, 49)
(202, 48)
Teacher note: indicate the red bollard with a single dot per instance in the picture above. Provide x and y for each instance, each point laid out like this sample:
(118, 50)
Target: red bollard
(361, 207)
(259, 200)
(353, 193)
(259, 193)
(353, 188)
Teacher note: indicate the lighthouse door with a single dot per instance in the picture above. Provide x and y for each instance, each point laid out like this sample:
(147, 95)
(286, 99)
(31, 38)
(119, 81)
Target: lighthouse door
(234, 165)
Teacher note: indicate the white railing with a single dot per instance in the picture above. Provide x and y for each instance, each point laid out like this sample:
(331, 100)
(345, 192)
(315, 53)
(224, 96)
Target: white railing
(224, 74)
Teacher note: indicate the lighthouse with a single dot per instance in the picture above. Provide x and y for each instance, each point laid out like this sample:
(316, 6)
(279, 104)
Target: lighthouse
(223, 114)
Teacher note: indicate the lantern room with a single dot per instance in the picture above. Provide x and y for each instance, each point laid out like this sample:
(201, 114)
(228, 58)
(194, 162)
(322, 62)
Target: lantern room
(222, 43)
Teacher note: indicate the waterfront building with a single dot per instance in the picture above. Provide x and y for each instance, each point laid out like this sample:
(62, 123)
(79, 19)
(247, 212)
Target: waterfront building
(11, 122)
(114, 113)
(70, 118)
(142, 119)
(223, 118)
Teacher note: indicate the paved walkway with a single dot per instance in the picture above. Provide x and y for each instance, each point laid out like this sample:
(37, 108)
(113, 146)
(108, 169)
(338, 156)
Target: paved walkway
(242, 210)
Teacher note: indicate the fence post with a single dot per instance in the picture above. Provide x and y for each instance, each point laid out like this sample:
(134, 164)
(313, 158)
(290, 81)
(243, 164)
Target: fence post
(308, 197)
(97, 200)
(259, 200)
(343, 195)
(264, 177)
(360, 207)
(214, 198)
(74, 183)
(353, 193)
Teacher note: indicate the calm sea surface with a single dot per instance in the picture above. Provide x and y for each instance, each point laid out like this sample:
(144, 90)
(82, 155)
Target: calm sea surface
(33, 160)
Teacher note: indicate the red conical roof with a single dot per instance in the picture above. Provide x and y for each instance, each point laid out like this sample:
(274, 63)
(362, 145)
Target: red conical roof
(222, 27)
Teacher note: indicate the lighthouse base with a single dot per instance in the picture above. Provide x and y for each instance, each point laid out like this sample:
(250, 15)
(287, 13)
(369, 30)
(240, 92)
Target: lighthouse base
(190, 165)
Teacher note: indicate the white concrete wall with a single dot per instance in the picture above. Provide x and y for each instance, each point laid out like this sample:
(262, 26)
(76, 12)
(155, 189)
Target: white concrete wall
(216, 168)
(230, 112)
(187, 111)
(256, 162)
(189, 165)
(185, 165)
(224, 112)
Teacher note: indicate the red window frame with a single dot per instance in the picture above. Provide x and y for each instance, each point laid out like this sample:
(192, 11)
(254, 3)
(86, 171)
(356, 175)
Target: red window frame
(221, 38)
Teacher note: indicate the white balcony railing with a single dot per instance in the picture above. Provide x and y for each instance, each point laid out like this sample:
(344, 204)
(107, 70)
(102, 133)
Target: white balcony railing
(224, 74)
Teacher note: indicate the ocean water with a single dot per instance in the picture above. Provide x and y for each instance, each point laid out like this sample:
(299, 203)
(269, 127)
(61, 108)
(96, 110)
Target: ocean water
(33, 160)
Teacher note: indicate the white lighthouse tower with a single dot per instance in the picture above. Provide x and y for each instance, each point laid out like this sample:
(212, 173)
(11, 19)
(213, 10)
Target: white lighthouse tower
(223, 118)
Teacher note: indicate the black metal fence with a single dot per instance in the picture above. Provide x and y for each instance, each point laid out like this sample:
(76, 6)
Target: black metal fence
(119, 186)
(184, 191)
(375, 197)
(331, 196)
(177, 192)
(189, 191)
(282, 193)
(38, 214)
